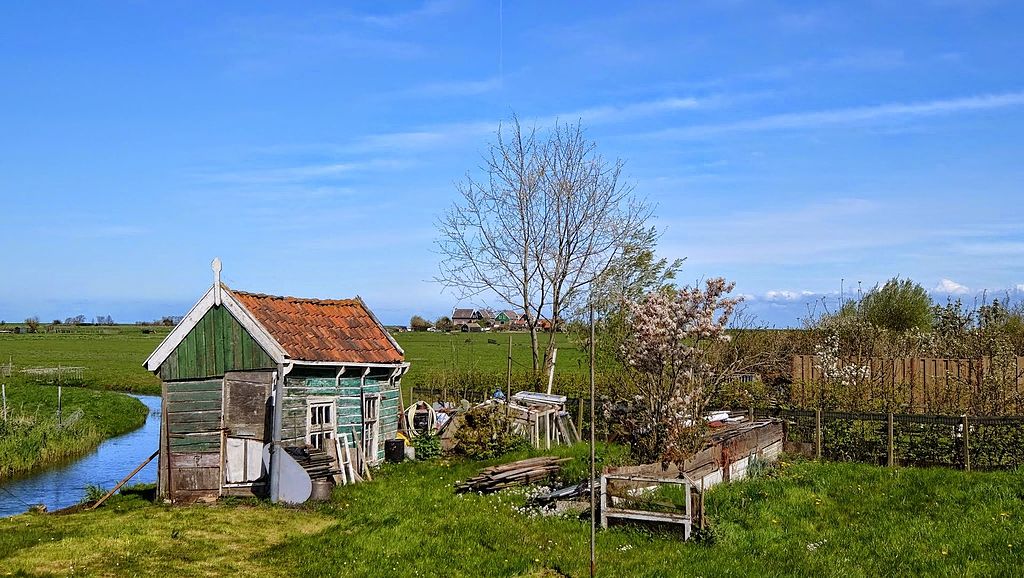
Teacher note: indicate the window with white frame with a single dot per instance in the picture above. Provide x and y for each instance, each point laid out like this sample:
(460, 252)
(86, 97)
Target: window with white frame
(371, 425)
(320, 422)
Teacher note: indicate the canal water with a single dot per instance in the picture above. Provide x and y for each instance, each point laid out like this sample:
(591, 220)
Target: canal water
(64, 485)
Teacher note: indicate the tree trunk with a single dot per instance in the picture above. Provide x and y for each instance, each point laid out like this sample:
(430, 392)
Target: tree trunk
(535, 348)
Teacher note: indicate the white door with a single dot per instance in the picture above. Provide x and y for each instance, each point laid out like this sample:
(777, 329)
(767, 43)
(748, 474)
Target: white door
(243, 460)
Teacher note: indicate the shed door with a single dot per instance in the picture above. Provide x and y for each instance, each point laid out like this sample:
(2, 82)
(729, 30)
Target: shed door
(247, 404)
(247, 416)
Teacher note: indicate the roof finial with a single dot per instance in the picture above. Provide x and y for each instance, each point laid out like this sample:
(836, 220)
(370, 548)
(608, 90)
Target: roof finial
(216, 280)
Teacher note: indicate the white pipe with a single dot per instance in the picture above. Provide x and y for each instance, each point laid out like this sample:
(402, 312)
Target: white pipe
(275, 458)
(551, 371)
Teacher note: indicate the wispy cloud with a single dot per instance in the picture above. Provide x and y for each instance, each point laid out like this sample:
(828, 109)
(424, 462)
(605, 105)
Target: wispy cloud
(112, 231)
(597, 115)
(453, 88)
(428, 9)
(304, 173)
(849, 116)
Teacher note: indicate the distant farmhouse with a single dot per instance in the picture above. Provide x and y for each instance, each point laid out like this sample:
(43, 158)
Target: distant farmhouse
(472, 320)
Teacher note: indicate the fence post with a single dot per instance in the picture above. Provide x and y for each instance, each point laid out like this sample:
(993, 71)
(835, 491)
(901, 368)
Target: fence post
(892, 442)
(817, 433)
(967, 445)
(3, 388)
(579, 418)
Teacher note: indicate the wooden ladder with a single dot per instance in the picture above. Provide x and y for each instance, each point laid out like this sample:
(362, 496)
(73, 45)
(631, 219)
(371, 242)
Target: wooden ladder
(348, 475)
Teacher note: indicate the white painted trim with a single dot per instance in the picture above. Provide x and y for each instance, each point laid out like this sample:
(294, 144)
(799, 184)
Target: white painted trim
(180, 331)
(194, 315)
(351, 364)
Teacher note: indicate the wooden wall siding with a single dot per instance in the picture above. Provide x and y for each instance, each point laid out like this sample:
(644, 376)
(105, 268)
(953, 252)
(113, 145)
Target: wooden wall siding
(918, 383)
(216, 345)
(346, 394)
(193, 415)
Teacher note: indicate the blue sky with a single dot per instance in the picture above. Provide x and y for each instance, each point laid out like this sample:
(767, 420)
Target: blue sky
(311, 145)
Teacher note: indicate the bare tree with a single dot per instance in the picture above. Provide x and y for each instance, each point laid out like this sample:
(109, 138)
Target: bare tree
(548, 217)
(592, 217)
(489, 239)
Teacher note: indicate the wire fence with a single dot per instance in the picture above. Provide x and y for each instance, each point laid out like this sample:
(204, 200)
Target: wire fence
(968, 442)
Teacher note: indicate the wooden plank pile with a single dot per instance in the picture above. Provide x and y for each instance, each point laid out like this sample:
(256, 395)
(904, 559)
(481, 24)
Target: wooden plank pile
(318, 464)
(511, 474)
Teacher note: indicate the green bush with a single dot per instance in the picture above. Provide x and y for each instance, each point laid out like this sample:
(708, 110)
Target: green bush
(428, 446)
(486, 433)
(899, 305)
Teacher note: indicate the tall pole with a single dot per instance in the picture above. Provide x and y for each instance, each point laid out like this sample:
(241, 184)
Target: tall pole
(508, 383)
(593, 467)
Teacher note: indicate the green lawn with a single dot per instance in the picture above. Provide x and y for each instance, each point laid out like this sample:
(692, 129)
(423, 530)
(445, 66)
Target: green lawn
(32, 436)
(801, 519)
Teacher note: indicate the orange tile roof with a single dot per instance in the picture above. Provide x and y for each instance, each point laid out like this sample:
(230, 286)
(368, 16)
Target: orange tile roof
(338, 330)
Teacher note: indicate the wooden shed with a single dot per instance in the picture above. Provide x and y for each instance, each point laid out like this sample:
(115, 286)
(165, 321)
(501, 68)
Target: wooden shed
(223, 368)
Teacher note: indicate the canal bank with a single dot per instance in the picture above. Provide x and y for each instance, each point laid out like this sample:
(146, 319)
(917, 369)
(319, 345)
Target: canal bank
(65, 484)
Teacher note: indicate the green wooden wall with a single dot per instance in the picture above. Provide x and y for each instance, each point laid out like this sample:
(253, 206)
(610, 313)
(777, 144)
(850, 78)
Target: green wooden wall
(216, 345)
(193, 415)
(346, 394)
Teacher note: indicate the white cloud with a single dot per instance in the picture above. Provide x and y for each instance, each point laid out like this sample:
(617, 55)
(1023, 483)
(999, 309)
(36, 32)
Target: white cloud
(950, 287)
(786, 295)
(850, 116)
(1020, 287)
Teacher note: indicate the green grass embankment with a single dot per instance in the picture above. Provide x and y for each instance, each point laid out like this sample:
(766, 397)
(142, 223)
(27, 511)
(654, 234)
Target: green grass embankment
(31, 437)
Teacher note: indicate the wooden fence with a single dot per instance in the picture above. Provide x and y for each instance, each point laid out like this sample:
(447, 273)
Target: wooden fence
(918, 383)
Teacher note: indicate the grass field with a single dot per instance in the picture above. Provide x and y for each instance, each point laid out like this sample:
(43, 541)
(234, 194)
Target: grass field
(457, 359)
(801, 519)
(32, 437)
(112, 356)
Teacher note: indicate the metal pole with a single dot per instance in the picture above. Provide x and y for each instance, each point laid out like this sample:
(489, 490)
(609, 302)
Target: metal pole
(892, 444)
(817, 433)
(60, 400)
(275, 435)
(967, 446)
(3, 388)
(593, 462)
(508, 384)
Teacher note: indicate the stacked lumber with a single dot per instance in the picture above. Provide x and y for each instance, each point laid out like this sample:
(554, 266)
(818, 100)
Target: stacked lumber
(511, 474)
(318, 464)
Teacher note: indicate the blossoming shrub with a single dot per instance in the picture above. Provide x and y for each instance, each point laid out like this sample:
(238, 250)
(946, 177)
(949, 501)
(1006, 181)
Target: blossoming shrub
(673, 356)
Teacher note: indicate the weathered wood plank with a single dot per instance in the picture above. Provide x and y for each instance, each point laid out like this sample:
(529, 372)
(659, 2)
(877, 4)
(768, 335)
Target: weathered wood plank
(176, 427)
(183, 386)
(193, 396)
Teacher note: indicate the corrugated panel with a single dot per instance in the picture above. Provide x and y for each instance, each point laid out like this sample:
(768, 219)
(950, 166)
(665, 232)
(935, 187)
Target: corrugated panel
(340, 330)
